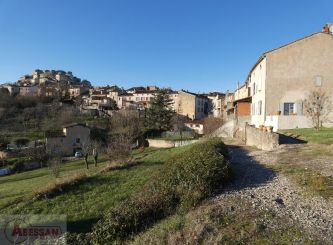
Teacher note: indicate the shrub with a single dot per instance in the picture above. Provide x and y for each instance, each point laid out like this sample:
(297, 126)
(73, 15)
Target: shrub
(4, 141)
(20, 142)
(17, 166)
(54, 166)
(119, 148)
(182, 183)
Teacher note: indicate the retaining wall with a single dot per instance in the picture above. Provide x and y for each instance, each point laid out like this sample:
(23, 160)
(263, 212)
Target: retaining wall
(169, 143)
(260, 139)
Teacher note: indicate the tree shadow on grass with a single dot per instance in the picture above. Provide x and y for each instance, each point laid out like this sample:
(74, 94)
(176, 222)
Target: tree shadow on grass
(247, 172)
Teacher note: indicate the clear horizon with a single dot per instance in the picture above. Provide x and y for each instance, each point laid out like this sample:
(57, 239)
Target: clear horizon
(200, 46)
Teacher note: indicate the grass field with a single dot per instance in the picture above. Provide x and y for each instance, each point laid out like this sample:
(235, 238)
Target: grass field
(323, 136)
(19, 187)
(85, 202)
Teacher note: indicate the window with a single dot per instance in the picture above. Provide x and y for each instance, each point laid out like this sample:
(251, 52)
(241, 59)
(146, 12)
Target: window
(288, 109)
(253, 109)
(318, 81)
(77, 140)
(260, 107)
(254, 88)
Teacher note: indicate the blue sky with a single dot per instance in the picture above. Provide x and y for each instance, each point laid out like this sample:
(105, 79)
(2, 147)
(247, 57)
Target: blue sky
(199, 45)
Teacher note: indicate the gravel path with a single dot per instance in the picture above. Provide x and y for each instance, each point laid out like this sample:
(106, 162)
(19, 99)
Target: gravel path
(269, 191)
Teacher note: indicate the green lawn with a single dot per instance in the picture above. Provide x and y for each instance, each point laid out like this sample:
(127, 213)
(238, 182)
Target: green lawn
(85, 202)
(19, 187)
(323, 136)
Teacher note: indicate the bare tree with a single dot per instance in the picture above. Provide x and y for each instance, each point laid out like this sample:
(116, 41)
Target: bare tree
(96, 149)
(54, 165)
(179, 124)
(2, 158)
(211, 124)
(317, 107)
(119, 148)
(39, 154)
(125, 130)
(86, 150)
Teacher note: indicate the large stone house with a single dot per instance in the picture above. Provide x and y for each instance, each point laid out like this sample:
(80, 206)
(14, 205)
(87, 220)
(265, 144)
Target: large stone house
(72, 138)
(191, 105)
(29, 91)
(282, 78)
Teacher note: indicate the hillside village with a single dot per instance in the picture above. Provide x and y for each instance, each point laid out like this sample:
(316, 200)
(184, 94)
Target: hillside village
(150, 165)
(50, 83)
(272, 98)
(267, 97)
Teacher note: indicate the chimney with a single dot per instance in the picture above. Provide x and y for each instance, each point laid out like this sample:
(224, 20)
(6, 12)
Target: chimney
(328, 28)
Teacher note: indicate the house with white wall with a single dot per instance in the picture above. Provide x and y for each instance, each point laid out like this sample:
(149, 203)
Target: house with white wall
(282, 79)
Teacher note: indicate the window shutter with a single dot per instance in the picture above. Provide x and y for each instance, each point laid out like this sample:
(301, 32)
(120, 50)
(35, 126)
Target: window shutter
(281, 109)
(299, 108)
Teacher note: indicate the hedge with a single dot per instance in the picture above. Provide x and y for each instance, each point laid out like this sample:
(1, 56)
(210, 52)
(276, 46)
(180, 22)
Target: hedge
(181, 184)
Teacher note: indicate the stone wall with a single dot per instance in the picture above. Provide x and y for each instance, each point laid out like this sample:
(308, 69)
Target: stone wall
(184, 142)
(241, 122)
(226, 130)
(169, 143)
(263, 140)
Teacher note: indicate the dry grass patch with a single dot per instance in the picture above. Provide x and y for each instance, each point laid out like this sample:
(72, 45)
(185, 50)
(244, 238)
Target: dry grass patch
(117, 165)
(183, 181)
(59, 185)
(313, 182)
(233, 222)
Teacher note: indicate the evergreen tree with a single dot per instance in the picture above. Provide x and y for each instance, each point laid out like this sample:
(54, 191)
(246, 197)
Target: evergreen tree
(159, 116)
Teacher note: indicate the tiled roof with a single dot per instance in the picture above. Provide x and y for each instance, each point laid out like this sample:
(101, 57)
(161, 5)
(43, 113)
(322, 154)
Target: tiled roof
(54, 134)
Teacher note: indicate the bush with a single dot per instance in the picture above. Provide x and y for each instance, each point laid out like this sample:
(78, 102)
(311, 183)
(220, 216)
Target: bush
(54, 165)
(18, 166)
(182, 183)
(4, 141)
(20, 142)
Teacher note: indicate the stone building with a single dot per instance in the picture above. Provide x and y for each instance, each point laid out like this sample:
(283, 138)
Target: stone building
(29, 91)
(72, 138)
(75, 91)
(282, 78)
(13, 89)
(191, 105)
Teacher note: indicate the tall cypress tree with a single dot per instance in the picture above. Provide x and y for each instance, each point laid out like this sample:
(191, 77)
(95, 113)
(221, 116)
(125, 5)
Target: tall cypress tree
(158, 116)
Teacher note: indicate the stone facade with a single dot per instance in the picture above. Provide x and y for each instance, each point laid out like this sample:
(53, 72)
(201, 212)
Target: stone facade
(71, 139)
(282, 79)
(191, 105)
